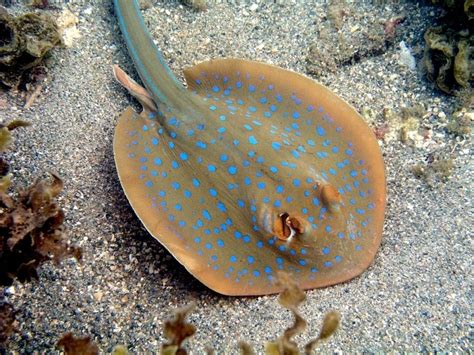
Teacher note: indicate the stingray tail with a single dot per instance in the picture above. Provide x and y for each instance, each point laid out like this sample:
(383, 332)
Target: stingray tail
(154, 72)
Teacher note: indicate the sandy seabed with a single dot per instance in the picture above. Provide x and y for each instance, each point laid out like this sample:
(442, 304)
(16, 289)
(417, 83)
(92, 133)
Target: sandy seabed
(415, 296)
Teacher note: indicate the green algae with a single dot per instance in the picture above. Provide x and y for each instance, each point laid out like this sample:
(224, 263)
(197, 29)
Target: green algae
(436, 170)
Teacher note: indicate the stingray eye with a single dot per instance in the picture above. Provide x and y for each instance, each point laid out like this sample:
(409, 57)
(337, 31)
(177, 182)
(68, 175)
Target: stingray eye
(287, 226)
(295, 224)
(281, 229)
(330, 197)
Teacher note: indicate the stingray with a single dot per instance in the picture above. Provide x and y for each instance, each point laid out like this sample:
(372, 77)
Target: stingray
(248, 171)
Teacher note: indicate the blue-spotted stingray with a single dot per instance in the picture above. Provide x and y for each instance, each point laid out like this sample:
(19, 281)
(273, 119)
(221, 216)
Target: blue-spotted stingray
(249, 170)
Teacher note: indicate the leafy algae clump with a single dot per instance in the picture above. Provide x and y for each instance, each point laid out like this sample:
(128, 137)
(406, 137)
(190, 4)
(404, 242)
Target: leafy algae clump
(449, 51)
(24, 41)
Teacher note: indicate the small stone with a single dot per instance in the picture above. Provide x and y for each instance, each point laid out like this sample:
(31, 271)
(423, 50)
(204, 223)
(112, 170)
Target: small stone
(98, 296)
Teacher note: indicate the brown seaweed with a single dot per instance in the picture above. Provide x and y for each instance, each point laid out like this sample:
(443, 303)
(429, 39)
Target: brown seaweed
(449, 51)
(7, 321)
(31, 222)
(177, 330)
(77, 345)
(25, 40)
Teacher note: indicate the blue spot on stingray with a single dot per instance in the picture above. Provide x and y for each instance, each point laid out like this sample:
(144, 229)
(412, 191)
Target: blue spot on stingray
(222, 117)
(296, 115)
(178, 207)
(250, 259)
(280, 189)
(187, 193)
(248, 127)
(221, 129)
(212, 108)
(149, 184)
(183, 156)
(252, 140)
(279, 98)
(232, 170)
(175, 185)
(311, 142)
(247, 181)
(206, 215)
(251, 88)
(154, 141)
(315, 201)
(224, 158)
(273, 108)
(171, 145)
(273, 169)
(353, 173)
(246, 239)
(240, 203)
(238, 84)
(328, 263)
(297, 182)
(236, 142)
(252, 109)
(215, 88)
(175, 164)
(221, 206)
(220, 243)
(212, 192)
(196, 182)
(211, 168)
(261, 185)
(277, 203)
(326, 251)
(256, 273)
(348, 152)
(302, 262)
(295, 154)
(320, 131)
(276, 145)
(328, 228)
(201, 145)
(263, 100)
